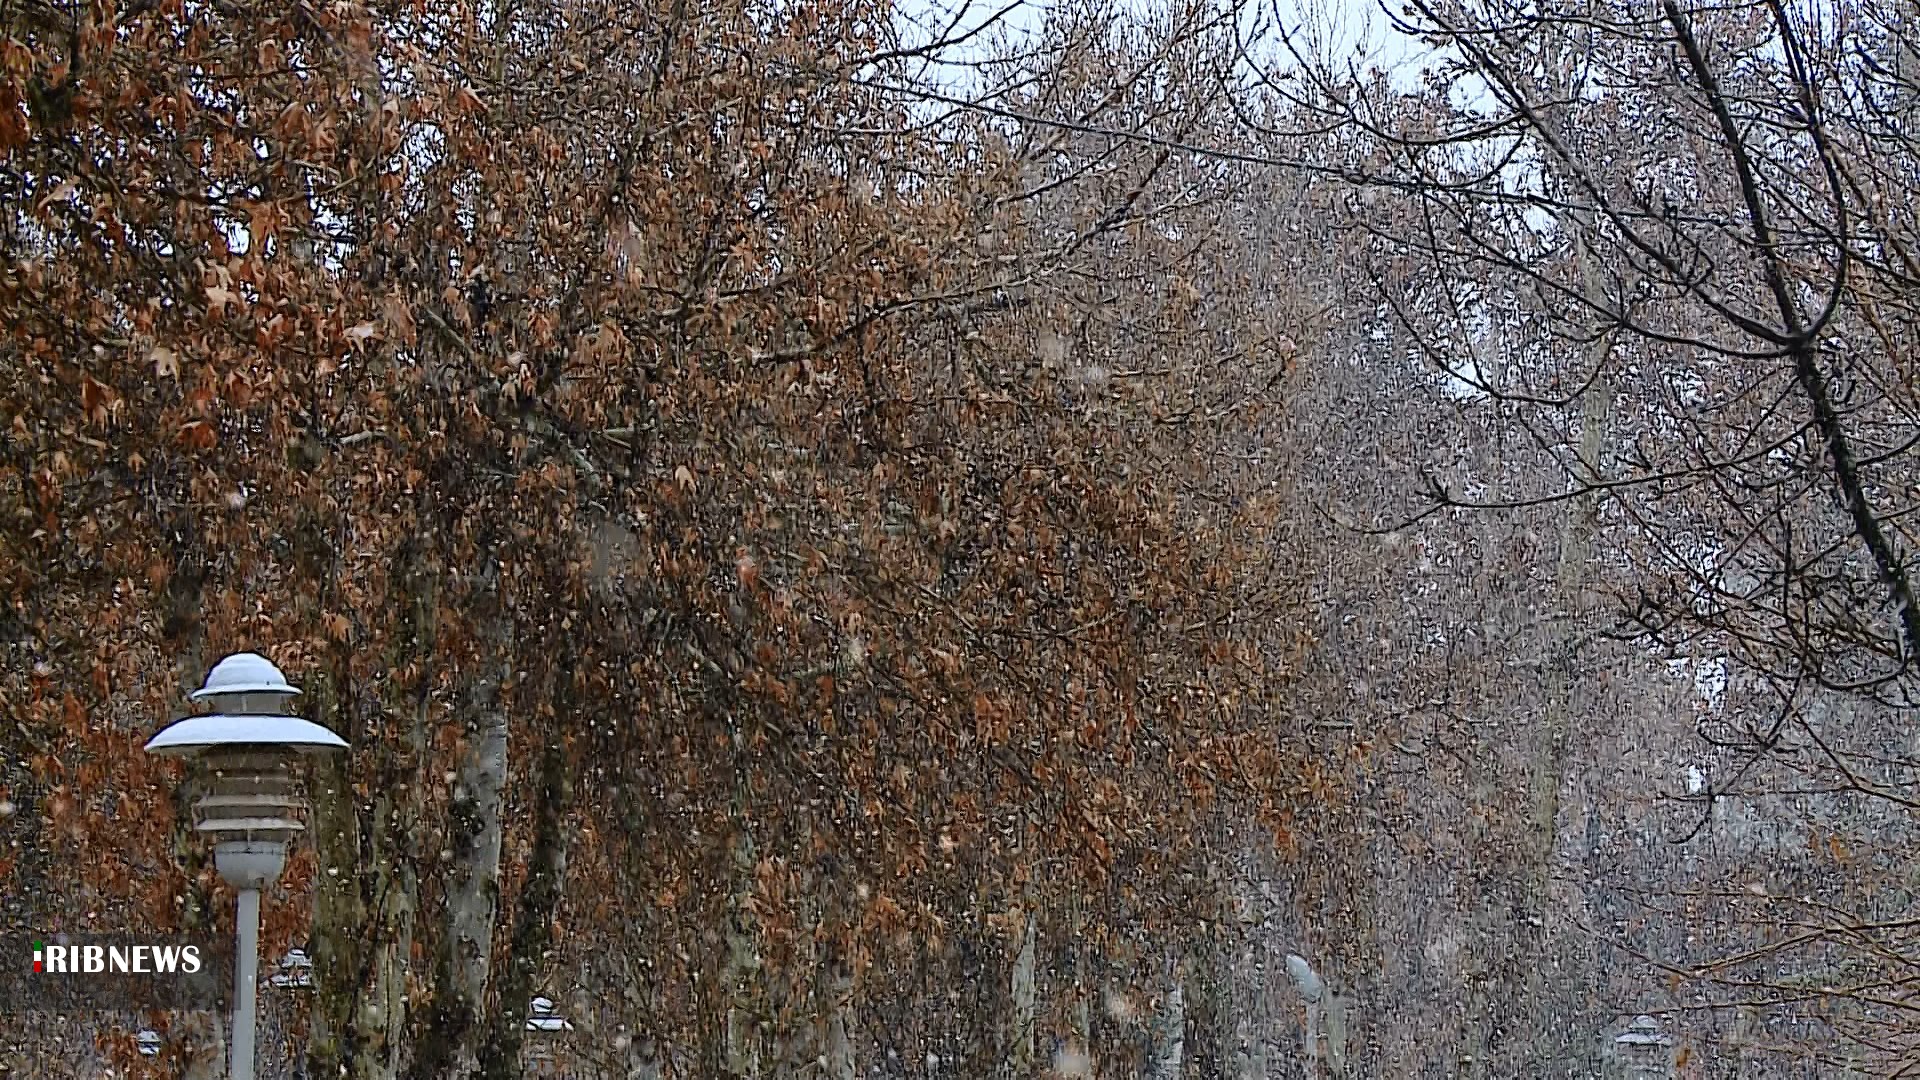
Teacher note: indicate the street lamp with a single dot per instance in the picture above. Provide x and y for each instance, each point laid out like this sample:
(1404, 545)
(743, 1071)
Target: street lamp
(1644, 1049)
(547, 1022)
(296, 971)
(252, 804)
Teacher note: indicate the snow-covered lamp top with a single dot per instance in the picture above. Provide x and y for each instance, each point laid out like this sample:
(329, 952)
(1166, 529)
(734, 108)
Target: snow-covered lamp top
(1644, 1031)
(541, 1016)
(195, 734)
(251, 694)
(296, 971)
(246, 683)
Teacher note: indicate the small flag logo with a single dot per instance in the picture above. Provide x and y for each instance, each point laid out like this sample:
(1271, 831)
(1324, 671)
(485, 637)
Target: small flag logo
(39, 957)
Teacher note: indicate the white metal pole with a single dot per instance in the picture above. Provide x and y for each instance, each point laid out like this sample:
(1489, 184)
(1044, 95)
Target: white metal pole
(246, 981)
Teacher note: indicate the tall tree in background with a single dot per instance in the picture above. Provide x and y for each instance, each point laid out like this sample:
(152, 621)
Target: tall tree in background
(1688, 211)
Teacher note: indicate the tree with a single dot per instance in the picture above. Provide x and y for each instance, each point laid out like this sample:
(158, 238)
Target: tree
(1686, 213)
(656, 445)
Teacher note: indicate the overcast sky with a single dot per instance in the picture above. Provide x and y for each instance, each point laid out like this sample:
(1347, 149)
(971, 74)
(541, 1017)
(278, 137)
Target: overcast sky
(1350, 30)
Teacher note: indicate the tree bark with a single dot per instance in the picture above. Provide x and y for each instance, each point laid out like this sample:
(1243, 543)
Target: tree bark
(339, 912)
(839, 1034)
(540, 897)
(1167, 1046)
(368, 857)
(1547, 771)
(1208, 976)
(187, 633)
(1326, 1031)
(464, 958)
(337, 944)
(1023, 992)
(740, 973)
(1514, 964)
(1082, 1010)
(474, 892)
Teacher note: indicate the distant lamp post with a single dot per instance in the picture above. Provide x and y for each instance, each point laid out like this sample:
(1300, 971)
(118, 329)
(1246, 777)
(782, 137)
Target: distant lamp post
(1644, 1048)
(251, 806)
(547, 1024)
(541, 1016)
(149, 1043)
(296, 971)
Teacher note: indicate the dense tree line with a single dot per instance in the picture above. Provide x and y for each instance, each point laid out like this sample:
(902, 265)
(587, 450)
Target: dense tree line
(848, 538)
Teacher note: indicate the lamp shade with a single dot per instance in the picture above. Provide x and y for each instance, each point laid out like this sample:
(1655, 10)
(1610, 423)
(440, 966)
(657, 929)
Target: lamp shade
(198, 734)
(244, 673)
(296, 971)
(246, 683)
(542, 1017)
(1644, 1031)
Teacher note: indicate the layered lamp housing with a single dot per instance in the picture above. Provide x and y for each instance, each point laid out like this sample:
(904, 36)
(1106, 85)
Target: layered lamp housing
(252, 805)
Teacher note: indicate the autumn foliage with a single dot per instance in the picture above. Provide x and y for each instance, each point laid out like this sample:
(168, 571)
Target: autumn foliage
(817, 479)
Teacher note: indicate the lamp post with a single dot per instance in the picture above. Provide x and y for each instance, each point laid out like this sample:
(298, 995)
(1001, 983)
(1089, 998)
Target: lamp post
(548, 1024)
(296, 971)
(252, 805)
(1646, 1053)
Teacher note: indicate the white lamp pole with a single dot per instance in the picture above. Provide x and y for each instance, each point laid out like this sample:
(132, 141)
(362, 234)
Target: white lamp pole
(252, 806)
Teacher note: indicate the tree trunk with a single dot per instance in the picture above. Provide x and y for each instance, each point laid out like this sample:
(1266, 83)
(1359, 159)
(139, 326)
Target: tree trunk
(474, 892)
(203, 1037)
(1336, 1034)
(1551, 747)
(339, 913)
(1023, 991)
(1167, 1045)
(464, 958)
(739, 1049)
(1549, 765)
(1325, 1038)
(337, 945)
(368, 854)
(187, 631)
(1082, 1014)
(1208, 976)
(540, 897)
(839, 1034)
(1510, 975)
